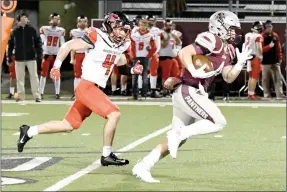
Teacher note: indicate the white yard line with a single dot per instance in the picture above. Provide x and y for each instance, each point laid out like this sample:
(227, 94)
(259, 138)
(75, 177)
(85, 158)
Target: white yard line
(96, 164)
(155, 103)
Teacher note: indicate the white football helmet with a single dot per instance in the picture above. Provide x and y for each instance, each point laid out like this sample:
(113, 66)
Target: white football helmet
(221, 23)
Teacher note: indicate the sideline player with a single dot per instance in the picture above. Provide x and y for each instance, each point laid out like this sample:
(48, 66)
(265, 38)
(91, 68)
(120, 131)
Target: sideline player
(254, 40)
(78, 56)
(105, 48)
(154, 63)
(52, 37)
(193, 113)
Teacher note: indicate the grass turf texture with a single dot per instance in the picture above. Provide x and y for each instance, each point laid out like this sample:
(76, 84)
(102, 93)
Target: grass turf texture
(250, 156)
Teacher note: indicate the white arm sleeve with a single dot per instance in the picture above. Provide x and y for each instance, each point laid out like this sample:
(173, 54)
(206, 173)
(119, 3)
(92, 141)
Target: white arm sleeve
(62, 40)
(158, 43)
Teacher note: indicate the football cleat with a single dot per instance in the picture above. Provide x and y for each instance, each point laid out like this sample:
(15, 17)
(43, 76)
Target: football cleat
(143, 173)
(112, 159)
(23, 138)
(173, 142)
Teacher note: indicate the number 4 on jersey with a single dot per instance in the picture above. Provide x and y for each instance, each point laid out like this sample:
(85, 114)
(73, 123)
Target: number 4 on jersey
(109, 61)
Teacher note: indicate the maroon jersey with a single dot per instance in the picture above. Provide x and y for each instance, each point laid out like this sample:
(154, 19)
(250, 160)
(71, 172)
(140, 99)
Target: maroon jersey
(216, 50)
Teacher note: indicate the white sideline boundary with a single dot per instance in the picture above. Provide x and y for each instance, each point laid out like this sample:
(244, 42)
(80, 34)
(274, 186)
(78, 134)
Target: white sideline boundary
(96, 164)
(148, 103)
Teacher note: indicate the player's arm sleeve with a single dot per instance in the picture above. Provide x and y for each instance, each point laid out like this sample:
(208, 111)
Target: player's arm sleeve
(158, 43)
(204, 43)
(152, 48)
(62, 40)
(10, 47)
(90, 36)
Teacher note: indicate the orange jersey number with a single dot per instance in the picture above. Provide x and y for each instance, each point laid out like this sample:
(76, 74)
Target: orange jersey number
(109, 61)
(52, 41)
(141, 46)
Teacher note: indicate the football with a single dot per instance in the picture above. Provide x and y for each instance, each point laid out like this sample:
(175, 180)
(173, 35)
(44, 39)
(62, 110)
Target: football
(200, 60)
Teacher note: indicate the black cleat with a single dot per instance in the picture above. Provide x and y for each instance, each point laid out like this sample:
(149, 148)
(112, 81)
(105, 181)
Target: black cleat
(42, 96)
(23, 138)
(10, 96)
(124, 93)
(57, 96)
(112, 159)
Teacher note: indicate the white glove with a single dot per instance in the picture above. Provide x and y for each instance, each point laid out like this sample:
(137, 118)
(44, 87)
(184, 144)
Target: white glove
(200, 73)
(202, 91)
(242, 57)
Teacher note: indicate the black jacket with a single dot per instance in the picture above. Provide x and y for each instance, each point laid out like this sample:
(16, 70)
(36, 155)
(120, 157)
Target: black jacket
(27, 44)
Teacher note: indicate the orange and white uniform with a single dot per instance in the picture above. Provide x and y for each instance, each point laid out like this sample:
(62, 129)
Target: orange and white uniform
(96, 70)
(80, 54)
(141, 42)
(178, 47)
(155, 31)
(254, 66)
(52, 38)
(168, 64)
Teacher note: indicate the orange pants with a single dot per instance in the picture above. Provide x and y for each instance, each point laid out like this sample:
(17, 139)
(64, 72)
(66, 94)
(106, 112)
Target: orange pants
(179, 63)
(153, 67)
(175, 70)
(79, 57)
(12, 69)
(89, 98)
(169, 67)
(255, 68)
(47, 61)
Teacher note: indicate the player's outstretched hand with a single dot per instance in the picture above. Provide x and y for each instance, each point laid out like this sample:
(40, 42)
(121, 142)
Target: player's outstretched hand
(244, 55)
(55, 74)
(201, 74)
(137, 69)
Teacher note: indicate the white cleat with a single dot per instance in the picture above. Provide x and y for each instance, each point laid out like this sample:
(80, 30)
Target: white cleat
(173, 142)
(143, 173)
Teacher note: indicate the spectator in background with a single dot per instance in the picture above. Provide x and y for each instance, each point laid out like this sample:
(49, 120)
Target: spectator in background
(272, 59)
(28, 46)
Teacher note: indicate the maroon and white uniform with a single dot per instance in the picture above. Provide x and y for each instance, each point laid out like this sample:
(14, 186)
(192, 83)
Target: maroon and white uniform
(187, 100)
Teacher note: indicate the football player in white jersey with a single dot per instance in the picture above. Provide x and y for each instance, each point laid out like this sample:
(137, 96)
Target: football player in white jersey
(52, 37)
(179, 46)
(143, 48)
(105, 48)
(78, 56)
(154, 63)
(254, 40)
(193, 113)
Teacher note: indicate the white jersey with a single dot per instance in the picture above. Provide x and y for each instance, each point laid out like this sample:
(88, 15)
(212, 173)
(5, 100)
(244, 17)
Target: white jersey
(99, 61)
(179, 35)
(141, 42)
(251, 39)
(134, 29)
(156, 35)
(51, 37)
(77, 33)
(169, 50)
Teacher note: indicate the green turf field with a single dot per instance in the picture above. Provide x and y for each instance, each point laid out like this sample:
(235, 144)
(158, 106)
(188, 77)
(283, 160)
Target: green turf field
(249, 154)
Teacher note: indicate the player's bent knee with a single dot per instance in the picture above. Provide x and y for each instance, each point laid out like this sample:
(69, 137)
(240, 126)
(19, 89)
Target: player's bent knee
(114, 115)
